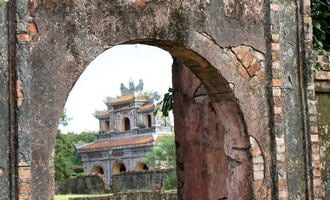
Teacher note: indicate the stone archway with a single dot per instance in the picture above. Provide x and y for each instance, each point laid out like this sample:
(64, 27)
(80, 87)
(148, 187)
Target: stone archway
(209, 124)
(222, 169)
(219, 83)
(231, 67)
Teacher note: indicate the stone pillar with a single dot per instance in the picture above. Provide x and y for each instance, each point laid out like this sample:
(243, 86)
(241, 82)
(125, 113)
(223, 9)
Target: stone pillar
(293, 101)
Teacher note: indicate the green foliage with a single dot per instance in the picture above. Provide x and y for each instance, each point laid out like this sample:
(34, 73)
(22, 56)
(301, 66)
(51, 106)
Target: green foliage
(321, 24)
(64, 151)
(64, 119)
(167, 104)
(163, 152)
(78, 175)
(171, 183)
(66, 156)
(3, 1)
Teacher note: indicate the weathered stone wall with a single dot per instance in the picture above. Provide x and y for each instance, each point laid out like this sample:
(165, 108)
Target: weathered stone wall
(322, 77)
(135, 196)
(148, 180)
(250, 72)
(78, 31)
(296, 141)
(5, 173)
(82, 185)
(322, 74)
(289, 127)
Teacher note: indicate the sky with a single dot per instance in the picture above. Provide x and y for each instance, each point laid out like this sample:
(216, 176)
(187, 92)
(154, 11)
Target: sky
(103, 76)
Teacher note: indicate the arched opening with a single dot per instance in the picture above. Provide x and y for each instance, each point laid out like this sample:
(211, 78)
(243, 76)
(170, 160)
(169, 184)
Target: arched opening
(118, 168)
(127, 124)
(149, 123)
(209, 125)
(97, 170)
(105, 126)
(141, 166)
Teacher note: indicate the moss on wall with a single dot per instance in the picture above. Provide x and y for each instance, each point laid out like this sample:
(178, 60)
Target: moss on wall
(323, 100)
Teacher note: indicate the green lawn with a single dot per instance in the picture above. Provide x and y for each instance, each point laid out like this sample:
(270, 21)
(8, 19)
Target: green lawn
(67, 196)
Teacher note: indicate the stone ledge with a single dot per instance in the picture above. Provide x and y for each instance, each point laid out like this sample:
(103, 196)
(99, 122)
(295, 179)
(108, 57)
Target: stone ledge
(322, 75)
(143, 195)
(322, 86)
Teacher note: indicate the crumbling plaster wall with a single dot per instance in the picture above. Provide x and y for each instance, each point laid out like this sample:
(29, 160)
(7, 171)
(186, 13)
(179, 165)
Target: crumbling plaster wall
(232, 47)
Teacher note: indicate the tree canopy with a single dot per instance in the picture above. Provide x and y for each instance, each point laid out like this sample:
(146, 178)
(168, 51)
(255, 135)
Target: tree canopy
(164, 154)
(166, 104)
(321, 24)
(66, 156)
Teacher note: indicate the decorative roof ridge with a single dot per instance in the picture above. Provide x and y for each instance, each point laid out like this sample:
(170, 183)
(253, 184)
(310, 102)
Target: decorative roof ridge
(115, 143)
(126, 98)
(100, 113)
(147, 106)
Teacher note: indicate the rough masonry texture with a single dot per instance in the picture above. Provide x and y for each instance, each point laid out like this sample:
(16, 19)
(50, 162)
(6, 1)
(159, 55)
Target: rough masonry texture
(137, 181)
(322, 88)
(91, 184)
(241, 70)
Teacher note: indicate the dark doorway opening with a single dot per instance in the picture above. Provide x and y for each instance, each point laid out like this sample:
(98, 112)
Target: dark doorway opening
(127, 124)
(149, 121)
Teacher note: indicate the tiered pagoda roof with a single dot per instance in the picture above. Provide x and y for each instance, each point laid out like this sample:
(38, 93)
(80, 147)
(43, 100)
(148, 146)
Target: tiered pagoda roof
(119, 143)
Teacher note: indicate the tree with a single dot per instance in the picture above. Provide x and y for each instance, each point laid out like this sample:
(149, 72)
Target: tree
(167, 104)
(321, 24)
(66, 155)
(64, 152)
(164, 153)
(171, 182)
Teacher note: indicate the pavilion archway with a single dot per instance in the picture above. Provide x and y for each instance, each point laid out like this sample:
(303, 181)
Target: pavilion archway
(98, 170)
(141, 166)
(118, 167)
